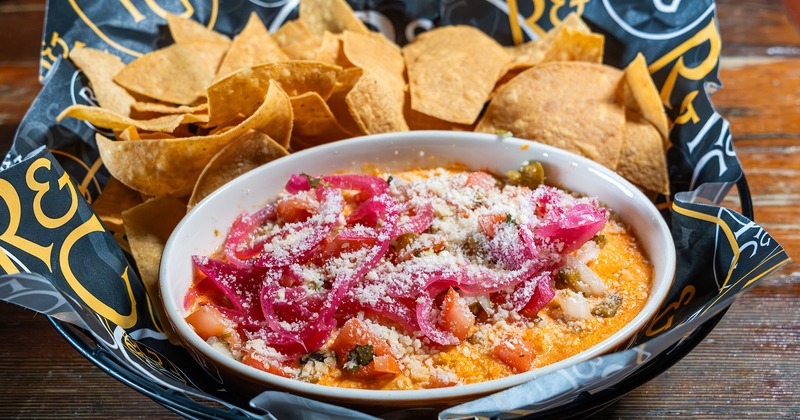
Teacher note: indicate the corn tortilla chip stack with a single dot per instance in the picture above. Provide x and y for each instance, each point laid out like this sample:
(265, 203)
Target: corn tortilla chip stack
(570, 105)
(330, 15)
(447, 77)
(376, 100)
(243, 92)
(177, 74)
(189, 31)
(148, 226)
(100, 68)
(170, 167)
(252, 46)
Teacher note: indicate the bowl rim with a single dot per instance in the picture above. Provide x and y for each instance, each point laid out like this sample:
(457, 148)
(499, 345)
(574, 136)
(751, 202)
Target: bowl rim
(271, 381)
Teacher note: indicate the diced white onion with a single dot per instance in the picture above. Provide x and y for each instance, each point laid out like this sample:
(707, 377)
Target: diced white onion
(590, 283)
(574, 305)
(588, 252)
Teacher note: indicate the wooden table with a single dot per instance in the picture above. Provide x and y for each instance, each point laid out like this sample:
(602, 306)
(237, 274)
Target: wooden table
(749, 366)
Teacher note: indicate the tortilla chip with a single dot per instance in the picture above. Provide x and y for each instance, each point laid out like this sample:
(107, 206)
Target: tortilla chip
(292, 32)
(643, 97)
(148, 226)
(374, 54)
(100, 68)
(330, 15)
(171, 167)
(115, 199)
(331, 51)
(103, 118)
(248, 152)
(451, 72)
(313, 119)
(242, 92)
(337, 102)
(535, 52)
(177, 74)
(572, 105)
(573, 45)
(155, 136)
(187, 31)
(643, 161)
(377, 105)
(379, 110)
(251, 47)
(303, 50)
(419, 121)
(130, 133)
(166, 109)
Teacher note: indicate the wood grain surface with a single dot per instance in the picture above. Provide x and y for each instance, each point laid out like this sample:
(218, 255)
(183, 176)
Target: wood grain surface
(748, 367)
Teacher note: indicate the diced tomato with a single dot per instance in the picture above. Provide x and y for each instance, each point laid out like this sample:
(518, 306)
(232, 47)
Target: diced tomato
(203, 291)
(487, 223)
(380, 365)
(275, 369)
(208, 322)
(355, 333)
(481, 180)
(517, 353)
(455, 315)
(297, 208)
(438, 382)
(333, 247)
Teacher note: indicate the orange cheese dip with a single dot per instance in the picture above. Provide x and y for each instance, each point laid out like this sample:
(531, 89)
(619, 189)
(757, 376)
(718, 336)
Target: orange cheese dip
(477, 331)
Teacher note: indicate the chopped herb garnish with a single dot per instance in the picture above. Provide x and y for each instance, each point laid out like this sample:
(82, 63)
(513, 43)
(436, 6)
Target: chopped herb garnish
(600, 239)
(510, 220)
(567, 278)
(608, 307)
(315, 181)
(529, 175)
(360, 356)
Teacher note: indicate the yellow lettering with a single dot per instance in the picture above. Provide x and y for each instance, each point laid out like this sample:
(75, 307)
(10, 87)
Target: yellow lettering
(188, 9)
(132, 10)
(9, 195)
(513, 21)
(708, 34)
(43, 187)
(687, 109)
(687, 294)
(90, 226)
(56, 40)
(538, 11)
(48, 53)
(554, 19)
(578, 5)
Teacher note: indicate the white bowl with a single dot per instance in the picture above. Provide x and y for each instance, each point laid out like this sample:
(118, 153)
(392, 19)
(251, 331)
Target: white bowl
(203, 231)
